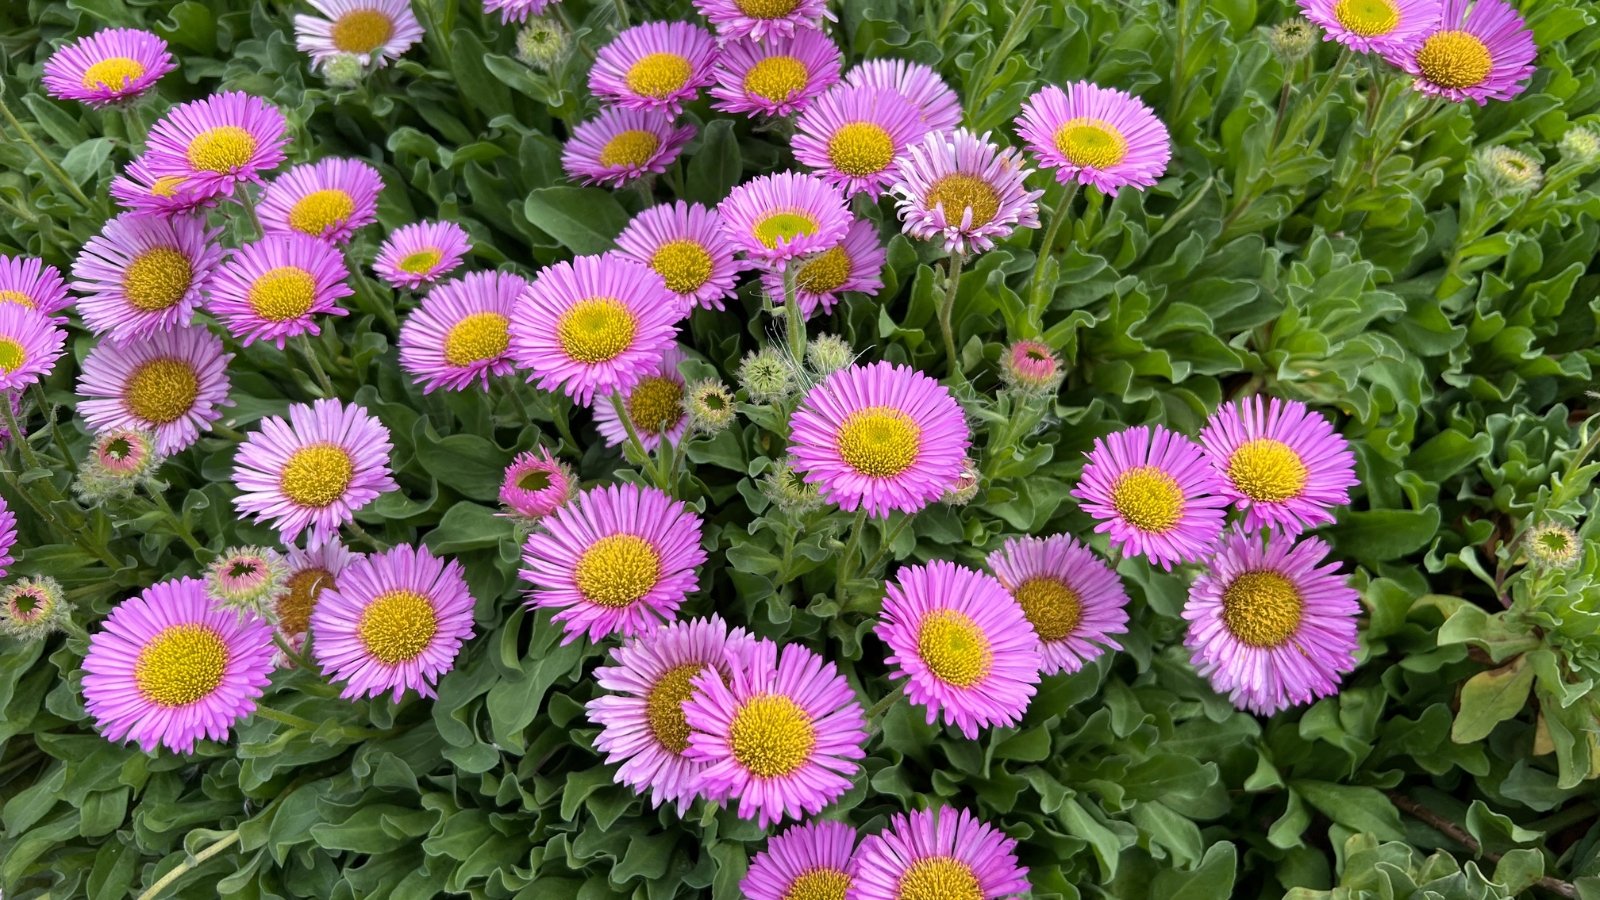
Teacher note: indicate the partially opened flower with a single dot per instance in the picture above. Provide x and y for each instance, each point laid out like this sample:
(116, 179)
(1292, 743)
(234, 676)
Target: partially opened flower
(1279, 462)
(657, 65)
(853, 136)
(763, 19)
(516, 10)
(329, 199)
(143, 274)
(936, 104)
(813, 861)
(959, 187)
(311, 572)
(1031, 367)
(623, 145)
(120, 461)
(1371, 26)
(1479, 50)
(106, 67)
(460, 335)
(776, 218)
(30, 344)
(312, 471)
(421, 253)
(683, 243)
(963, 646)
(1270, 624)
(274, 289)
(216, 142)
(1074, 601)
(784, 734)
(1154, 492)
(939, 854)
(855, 264)
(372, 31)
(172, 384)
(536, 484)
(139, 190)
(27, 282)
(392, 622)
(775, 77)
(170, 667)
(1095, 136)
(654, 405)
(247, 580)
(33, 608)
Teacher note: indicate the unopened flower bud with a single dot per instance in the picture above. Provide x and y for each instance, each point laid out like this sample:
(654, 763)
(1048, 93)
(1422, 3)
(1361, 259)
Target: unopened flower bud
(1031, 367)
(829, 353)
(1508, 172)
(767, 376)
(248, 580)
(343, 71)
(788, 491)
(33, 608)
(1293, 40)
(1552, 545)
(710, 406)
(542, 44)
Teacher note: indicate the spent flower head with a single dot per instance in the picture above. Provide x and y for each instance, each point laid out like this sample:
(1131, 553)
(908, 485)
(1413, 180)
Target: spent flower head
(33, 608)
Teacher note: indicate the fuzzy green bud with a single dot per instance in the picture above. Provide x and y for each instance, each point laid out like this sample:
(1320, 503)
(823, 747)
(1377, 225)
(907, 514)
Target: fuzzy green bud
(344, 71)
(829, 353)
(788, 491)
(1508, 172)
(1552, 545)
(710, 406)
(248, 580)
(1581, 145)
(120, 461)
(767, 376)
(542, 44)
(1293, 40)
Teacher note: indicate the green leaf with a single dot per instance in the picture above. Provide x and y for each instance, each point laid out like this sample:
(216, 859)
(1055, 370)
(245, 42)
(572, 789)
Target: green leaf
(1489, 698)
(584, 221)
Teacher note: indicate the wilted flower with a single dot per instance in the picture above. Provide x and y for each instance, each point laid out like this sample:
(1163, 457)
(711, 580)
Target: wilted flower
(1508, 172)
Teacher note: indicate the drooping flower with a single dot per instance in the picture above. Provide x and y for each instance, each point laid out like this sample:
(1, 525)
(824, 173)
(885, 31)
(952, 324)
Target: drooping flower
(461, 334)
(764, 19)
(963, 646)
(247, 580)
(329, 199)
(27, 282)
(1096, 136)
(775, 77)
(536, 484)
(641, 718)
(373, 31)
(657, 65)
(393, 621)
(784, 733)
(1478, 50)
(275, 288)
(683, 243)
(852, 137)
(937, 105)
(1031, 367)
(421, 253)
(516, 10)
(1074, 601)
(1152, 490)
(854, 265)
(30, 344)
(1280, 462)
(139, 190)
(937, 854)
(813, 861)
(1372, 26)
(313, 470)
(120, 461)
(960, 187)
(880, 437)
(1270, 624)
(109, 66)
(617, 559)
(776, 218)
(211, 144)
(655, 406)
(311, 571)
(170, 667)
(33, 608)
(622, 145)
(143, 274)
(172, 384)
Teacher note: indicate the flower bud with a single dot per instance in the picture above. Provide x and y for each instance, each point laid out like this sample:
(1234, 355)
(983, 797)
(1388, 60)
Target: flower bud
(788, 491)
(767, 376)
(33, 608)
(965, 487)
(1552, 545)
(542, 44)
(1293, 40)
(343, 71)
(120, 461)
(1581, 145)
(535, 485)
(248, 580)
(710, 406)
(1508, 172)
(1031, 367)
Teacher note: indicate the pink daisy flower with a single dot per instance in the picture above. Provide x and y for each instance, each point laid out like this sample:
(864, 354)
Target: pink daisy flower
(964, 647)
(27, 282)
(683, 243)
(273, 289)
(939, 853)
(962, 188)
(311, 572)
(139, 190)
(657, 65)
(373, 31)
(392, 622)
(622, 145)
(852, 137)
(593, 326)
(813, 861)
(654, 404)
(516, 10)
(170, 667)
(329, 199)
(107, 67)
(1074, 601)
(1279, 462)
(775, 77)
(855, 264)
(216, 142)
(460, 335)
(421, 253)
(1372, 26)
(880, 437)
(641, 717)
(30, 344)
(172, 384)
(776, 218)
(1480, 50)
(1270, 625)
(1095, 136)
(1153, 491)
(314, 470)
(618, 559)
(937, 105)
(764, 19)
(8, 537)
(536, 484)
(143, 274)
(784, 734)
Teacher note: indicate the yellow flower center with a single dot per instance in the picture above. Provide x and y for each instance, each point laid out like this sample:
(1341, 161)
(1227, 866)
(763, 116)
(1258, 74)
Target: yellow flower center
(656, 404)
(317, 475)
(300, 597)
(319, 211)
(879, 441)
(1267, 470)
(1454, 59)
(629, 149)
(534, 480)
(776, 78)
(166, 186)
(17, 297)
(1091, 143)
(162, 390)
(954, 648)
(1148, 498)
(477, 337)
(766, 9)
(157, 279)
(819, 884)
(772, 736)
(658, 75)
(939, 878)
(398, 626)
(422, 261)
(596, 330)
(1368, 18)
(12, 355)
(1262, 609)
(282, 294)
(617, 570)
(685, 265)
(957, 193)
(361, 31)
(222, 149)
(113, 74)
(785, 226)
(825, 272)
(861, 148)
(1053, 608)
(182, 664)
(664, 706)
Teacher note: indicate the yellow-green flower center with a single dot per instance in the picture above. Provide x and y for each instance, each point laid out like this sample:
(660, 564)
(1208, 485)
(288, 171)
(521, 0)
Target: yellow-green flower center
(12, 355)
(157, 279)
(771, 736)
(1368, 18)
(1148, 498)
(954, 648)
(629, 149)
(683, 264)
(664, 706)
(282, 294)
(1053, 608)
(397, 626)
(861, 148)
(1455, 59)
(319, 211)
(1091, 143)
(1267, 470)
(656, 404)
(222, 149)
(879, 441)
(784, 226)
(776, 78)
(113, 74)
(477, 337)
(300, 598)
(162, 390)
(617, 570)
(766, 9)
(939, 878)
(361, 31)
(16, 297)
(824, 273)
(182, 664)
(958, 193)
(596, 330)
(819, 884)
(166, 186)
(422, 262)
(658, 75)
(1262, 609)
(317, 475)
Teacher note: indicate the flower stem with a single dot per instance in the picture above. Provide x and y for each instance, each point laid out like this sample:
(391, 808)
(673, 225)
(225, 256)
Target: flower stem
(241, 196)
(1047, 247)
(622, 14)
(134, 126)
(888, 542)
(647, 463)
(1002, 52)
(947, 310)
(794, 320)
(159, 500)
(219, 845)
(361, 533)
(44, 158)
(310, 354)
(847, 560)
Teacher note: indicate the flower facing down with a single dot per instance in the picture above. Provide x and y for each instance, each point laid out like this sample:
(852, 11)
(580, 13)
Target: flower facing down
(622, 145)
(460, 336)
(812, 861)
(421, 253)
(939, 854)
(960, 188)
(328, 200)
(1480, 50)
(1095, 136)
(373, 31)
(1280, 462)
(1154, 492)
(536, 484)
(173, 384)
(1074, 601)
(110, 66)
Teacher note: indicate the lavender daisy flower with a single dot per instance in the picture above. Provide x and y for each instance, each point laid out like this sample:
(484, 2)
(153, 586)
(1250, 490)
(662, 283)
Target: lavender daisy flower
(311, 572)
(421, 253)
(460, 335)
(1074, 601)
(855, 264)
(764, 19)
(880, 437)
(962, 644)
(784, 734)
(30, 344)
(939, 853)
(962, 188)
(776, 218)
(273, 289)
(143, 274)
(329, 200)
(682, 242)
(1270, 625)
(1153, 491)
(775, 77)
(1095, 136)
(853, 136)
(373, 31)
(170, 667)
(621, 145)
(314, 470)
(8, 537)
(1480, 50)
(110, 66)
(27, 282)
(394, 621)
(654, 405)
(216, 142)
(536, 484)
(618, 559)
(1281, 463)
(139, 190)
(172, 384)
(516, 10)
(1372, 26)
(657, 65)
(813, 861)
(936, 104)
